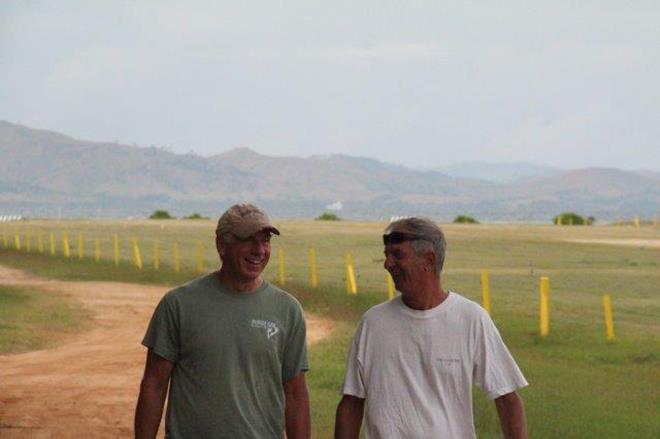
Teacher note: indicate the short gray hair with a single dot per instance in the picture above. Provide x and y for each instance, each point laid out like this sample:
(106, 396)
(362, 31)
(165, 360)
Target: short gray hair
(433, 237)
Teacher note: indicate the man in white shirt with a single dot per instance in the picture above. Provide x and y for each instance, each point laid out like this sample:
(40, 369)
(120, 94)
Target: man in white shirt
(413, 360)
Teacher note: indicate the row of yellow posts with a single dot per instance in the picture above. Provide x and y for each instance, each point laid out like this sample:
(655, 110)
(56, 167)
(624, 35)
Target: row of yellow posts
(351, 283)
(49, 242)
(313, 268)
(544, 289)
(544, 305)
(636, 221)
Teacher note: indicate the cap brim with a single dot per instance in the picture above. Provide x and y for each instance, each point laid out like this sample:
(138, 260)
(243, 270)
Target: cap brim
(272, 229)
(246, 232)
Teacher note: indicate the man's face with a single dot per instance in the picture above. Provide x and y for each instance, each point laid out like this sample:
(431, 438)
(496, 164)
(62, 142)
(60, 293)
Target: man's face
(404, 265)
(246, 259)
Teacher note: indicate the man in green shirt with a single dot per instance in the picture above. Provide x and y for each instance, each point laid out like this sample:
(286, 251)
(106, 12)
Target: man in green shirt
(230, 346)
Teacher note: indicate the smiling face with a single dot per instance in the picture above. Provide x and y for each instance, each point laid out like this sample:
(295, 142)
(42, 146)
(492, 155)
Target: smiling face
(406, 267)
(243, 260)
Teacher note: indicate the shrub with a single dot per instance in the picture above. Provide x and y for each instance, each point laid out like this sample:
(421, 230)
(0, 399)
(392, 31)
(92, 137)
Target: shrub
(465, 219)
(572, 219)
(161, 214)
(327, 216)
(195, 216)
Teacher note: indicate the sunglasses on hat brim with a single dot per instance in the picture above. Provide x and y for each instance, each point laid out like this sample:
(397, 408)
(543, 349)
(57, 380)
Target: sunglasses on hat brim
(399, 237)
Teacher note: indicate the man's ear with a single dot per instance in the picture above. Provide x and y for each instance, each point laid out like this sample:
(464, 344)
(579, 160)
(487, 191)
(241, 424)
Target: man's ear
(429, 260)
(219, 246)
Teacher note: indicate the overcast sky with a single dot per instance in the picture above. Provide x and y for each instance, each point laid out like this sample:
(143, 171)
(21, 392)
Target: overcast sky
(425, 84)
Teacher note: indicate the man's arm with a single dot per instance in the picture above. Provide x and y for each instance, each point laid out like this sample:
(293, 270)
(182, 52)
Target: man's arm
(153, 391)
(349, 417)
(296, 410)
(511, 411)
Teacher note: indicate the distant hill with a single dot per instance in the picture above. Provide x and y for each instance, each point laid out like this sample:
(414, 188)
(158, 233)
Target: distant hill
(605, 193)
(499, 172)
(43, 173)
(650, 174)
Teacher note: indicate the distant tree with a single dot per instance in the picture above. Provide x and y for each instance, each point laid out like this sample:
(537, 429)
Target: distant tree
(572, 219)
(195, 216)
(161, 214)
(328, 216)
(465, 219)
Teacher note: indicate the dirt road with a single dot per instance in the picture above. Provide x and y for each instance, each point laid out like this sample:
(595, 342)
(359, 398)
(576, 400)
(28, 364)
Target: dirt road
(87, 386)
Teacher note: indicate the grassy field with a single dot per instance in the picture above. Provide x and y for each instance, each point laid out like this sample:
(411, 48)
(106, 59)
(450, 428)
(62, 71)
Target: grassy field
(30, 320)
(580, 385)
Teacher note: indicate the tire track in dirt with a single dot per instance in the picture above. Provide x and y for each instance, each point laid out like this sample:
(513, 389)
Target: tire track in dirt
(87, 386)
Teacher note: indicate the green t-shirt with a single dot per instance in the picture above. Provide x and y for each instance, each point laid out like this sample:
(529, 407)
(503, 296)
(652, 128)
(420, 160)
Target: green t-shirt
(232, 353)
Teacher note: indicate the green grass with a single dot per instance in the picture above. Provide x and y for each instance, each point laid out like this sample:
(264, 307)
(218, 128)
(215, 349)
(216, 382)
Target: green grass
(580, 385)
(31, 319)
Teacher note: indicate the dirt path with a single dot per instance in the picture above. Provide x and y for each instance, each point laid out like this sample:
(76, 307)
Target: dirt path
(86, 387)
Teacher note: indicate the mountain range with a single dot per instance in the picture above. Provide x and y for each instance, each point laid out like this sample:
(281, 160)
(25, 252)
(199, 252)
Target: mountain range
(499, 172)
(47, 174)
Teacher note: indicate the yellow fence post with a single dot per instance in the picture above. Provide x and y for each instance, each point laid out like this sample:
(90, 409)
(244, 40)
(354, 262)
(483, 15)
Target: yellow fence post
(544, 320)
(390, 285)
(137, 258)
(40, 240)
(5, 240)
(280, 260)
(485, 290)
(81, 246)
(349, 261)
(351, 284)
(156, 255)
(199, 256)
(17, 239)
(52, 244)
(636, 221)
(66, 248)
(609, 321)
(313, 273)
(176, 261)
(97, 249)
(28, 238)
(115, 249)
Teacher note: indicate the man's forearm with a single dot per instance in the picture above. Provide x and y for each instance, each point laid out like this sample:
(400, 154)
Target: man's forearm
(511, 411)
(149, 410)
(349, 417)
(296, 410)
(298, 424)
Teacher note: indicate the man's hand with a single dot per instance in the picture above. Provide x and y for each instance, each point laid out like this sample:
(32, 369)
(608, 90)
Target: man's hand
(296, 411)
(349, 417)
(511, 411)
(153, 391)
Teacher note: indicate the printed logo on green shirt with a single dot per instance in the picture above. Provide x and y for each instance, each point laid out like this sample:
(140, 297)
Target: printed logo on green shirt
(270, 327)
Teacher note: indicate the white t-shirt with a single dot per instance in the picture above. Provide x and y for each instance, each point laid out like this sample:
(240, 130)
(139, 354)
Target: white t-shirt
(416, 368)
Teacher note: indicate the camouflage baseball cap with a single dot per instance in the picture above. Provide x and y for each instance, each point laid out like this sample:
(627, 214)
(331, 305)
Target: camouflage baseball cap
(244, 220)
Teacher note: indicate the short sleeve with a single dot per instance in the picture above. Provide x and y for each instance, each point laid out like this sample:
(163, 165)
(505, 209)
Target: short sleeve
(295, 351)
(495, 370)
(162, 335)
(353, 378)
